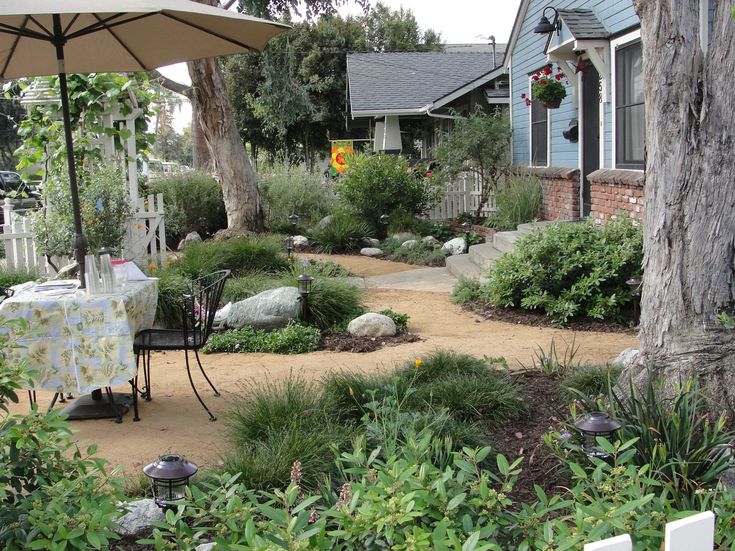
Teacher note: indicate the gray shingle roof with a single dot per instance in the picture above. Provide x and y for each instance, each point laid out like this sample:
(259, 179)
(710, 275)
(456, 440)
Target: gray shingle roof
(409, 81)
(583, 24)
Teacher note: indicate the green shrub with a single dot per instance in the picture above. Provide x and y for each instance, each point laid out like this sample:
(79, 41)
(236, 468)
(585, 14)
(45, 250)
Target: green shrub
(343, 233)
(172, 286)
(286, 190)
(345, 394)
(421, 254)
(401, 222)
(293, 339)
(378, 184)
(189, 200)
(240, 254)
(675, 436)
(570, 270)
(467, 290)
(8, 278)
(401, 320)
(333, 301)
(519, 202)
(590, 381)
(445, 363)
(105, 210)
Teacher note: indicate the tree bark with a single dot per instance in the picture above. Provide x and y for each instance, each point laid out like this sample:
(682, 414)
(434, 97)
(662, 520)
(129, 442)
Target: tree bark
(213, 112)
(689, 230)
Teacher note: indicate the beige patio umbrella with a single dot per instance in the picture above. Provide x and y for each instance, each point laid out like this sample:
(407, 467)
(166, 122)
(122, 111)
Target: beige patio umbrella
(45, 37)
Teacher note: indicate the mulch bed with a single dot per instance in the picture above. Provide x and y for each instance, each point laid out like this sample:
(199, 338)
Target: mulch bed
(539, 319)
(344, 342)
(524, 437)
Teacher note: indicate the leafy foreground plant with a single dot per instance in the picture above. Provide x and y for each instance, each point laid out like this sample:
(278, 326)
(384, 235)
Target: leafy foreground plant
(53, 495)
(293, 339)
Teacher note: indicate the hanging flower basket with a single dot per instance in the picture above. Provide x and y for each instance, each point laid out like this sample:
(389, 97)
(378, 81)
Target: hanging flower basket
(547, 88)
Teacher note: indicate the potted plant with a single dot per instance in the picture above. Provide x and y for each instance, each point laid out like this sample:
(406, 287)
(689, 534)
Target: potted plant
(547, 88)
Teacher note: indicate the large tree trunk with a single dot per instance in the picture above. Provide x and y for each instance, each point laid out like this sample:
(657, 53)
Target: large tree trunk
(211, 106)
(201, 158)
(690, 197)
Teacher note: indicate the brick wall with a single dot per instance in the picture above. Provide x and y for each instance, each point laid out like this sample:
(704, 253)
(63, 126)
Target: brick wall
(616, 191)
(561, 192)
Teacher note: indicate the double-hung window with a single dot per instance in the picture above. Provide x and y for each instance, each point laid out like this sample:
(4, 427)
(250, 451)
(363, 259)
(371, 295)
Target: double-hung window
(630, 127)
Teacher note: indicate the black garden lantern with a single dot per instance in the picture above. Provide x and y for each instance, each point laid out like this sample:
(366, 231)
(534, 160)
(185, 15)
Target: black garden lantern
(169, 476)
(636, 288)
(466, 228)
(305, 281)
(289, 246)
(592, 425)
(384, 219)
(293, 219)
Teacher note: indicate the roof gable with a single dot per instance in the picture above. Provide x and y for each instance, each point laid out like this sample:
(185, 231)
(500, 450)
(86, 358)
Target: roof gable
(408, 82)
(583, 24)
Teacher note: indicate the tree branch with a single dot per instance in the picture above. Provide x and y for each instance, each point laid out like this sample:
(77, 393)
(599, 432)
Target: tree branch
(172, 85)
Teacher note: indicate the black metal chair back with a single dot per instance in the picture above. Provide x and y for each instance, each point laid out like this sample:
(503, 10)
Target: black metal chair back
(200, 307)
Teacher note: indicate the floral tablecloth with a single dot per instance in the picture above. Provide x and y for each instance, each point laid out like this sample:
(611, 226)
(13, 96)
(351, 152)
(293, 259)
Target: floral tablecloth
(81, 342)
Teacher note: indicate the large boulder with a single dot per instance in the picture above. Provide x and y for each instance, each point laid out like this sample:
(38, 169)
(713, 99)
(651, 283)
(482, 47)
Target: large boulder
(370, 242)
(371, 251)
(625, 358)
(372, 325)
(324, 222)
(267, 310)
(191, 237)
(402, 236)
(299, 241)
(455, 246)
(410, 244)
(139, 518)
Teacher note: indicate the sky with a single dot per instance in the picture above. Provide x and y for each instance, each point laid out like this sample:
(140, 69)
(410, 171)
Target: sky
(458, 21)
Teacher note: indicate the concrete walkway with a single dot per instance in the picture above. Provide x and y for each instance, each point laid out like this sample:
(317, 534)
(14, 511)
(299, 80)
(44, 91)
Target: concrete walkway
(435, 280)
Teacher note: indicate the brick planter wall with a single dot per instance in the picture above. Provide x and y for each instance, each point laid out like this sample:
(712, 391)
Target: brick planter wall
(616, 191)
(561, 192)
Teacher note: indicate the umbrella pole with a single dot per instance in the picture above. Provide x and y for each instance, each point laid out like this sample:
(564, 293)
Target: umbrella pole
(80, 242)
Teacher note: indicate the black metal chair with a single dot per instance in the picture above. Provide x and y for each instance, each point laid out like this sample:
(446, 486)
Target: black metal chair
(198, 310)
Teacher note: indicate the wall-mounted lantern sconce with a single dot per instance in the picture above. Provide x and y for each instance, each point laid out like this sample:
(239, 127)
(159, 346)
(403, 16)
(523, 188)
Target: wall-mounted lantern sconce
(545, 26)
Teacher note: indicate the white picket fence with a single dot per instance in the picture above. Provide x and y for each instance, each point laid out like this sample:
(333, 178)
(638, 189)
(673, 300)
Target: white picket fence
(462, 195)
(695, 533)
(145, 242)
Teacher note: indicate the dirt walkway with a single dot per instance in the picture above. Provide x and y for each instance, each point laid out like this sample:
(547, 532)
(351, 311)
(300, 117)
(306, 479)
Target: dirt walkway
(174, 422)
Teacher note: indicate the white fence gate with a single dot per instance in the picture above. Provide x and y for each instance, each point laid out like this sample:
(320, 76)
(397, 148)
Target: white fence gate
(146, 241)
(16, 238)
(460, 196)
(695, 533)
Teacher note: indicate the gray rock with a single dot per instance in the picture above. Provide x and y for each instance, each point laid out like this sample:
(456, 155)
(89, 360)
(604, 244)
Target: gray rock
(625, 358)
(299, 242)
(191, 237)
(324, 222)
(370, 242)
(403, 236)
(431, 240)
(455, 246)
(139, 518)
(371, 251)
(267, 310)
(372, 325)
(204, 547)
(410, 244)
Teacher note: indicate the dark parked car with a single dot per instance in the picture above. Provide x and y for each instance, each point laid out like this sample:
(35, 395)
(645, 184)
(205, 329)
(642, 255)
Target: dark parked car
(22, 195)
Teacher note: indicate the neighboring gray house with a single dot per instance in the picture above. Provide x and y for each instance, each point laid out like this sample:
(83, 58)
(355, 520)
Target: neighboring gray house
(391, 91)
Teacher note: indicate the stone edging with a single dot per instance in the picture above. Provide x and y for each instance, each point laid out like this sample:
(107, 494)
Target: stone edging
(618, 177)
(549, 172)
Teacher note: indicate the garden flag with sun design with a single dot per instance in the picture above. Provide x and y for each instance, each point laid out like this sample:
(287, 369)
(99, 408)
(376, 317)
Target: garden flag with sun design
(340, 150)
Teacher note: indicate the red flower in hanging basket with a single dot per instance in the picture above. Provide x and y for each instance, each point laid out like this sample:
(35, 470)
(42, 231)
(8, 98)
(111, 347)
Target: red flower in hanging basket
(548, 88)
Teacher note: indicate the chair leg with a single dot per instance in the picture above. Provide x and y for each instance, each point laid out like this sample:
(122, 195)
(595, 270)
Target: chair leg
(115, 408)
(32, 397)
(196, 353)
(191, 381)
(147, 371)
(56, 396)
(134, 384)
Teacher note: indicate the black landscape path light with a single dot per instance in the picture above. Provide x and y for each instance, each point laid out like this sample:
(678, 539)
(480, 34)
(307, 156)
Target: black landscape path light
(467, 227)
(293, 220)
(384, 219)
(592, 425)
(636, 287)
(289, 246)
(169, 476)
(305, 281)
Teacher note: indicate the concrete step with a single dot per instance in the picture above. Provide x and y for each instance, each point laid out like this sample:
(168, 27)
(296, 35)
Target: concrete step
(531, 226)
(484, 254)
(461, 265)
(505, 241)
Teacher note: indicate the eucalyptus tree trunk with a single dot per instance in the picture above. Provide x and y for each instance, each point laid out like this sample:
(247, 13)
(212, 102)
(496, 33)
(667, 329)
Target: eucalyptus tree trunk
(211, 106)
(689, 260)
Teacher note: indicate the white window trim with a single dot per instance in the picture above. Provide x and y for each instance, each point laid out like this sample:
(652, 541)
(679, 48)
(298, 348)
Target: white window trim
(614, 45)
(530, 131)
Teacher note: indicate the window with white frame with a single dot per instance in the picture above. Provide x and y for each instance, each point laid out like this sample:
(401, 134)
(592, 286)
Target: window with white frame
(539, 134)
(630, 131)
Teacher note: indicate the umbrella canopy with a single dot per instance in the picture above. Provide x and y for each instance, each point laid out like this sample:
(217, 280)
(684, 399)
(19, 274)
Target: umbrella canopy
(44, 37)
(120, 35)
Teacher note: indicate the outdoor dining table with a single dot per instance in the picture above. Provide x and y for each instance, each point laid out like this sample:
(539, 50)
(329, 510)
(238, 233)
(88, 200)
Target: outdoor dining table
(78, 342)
